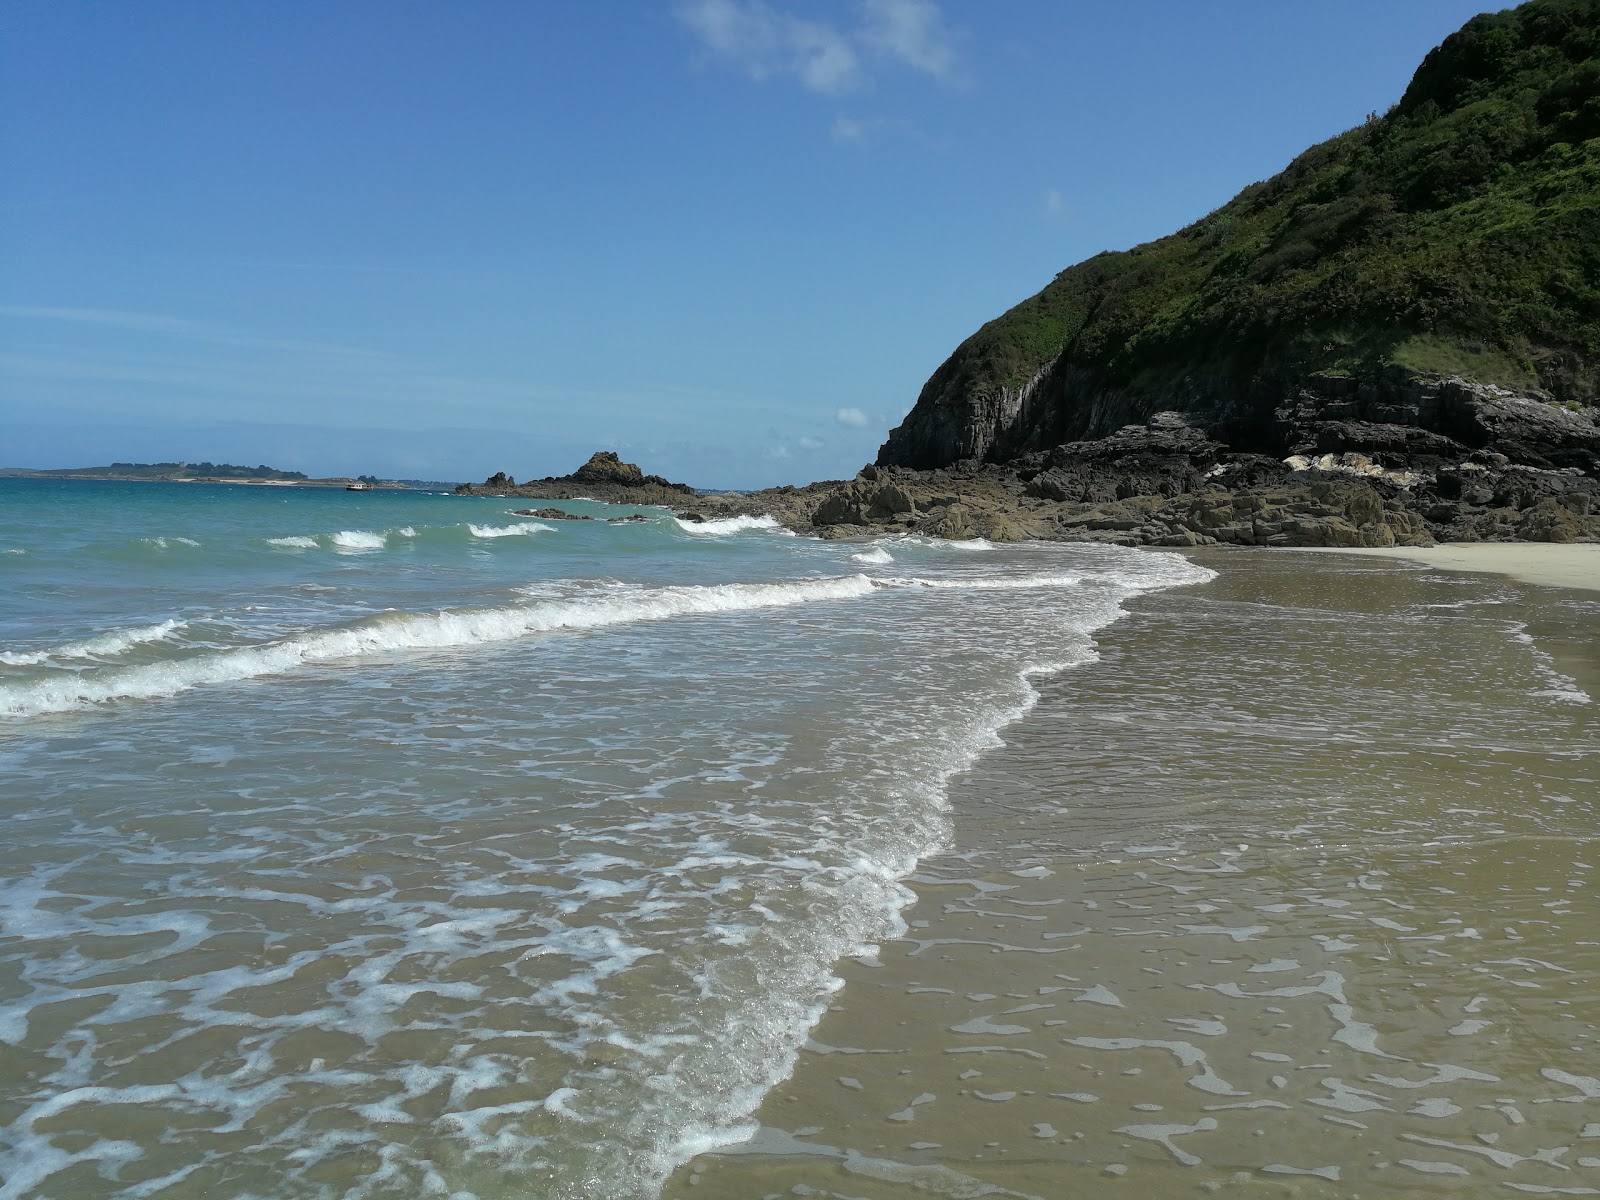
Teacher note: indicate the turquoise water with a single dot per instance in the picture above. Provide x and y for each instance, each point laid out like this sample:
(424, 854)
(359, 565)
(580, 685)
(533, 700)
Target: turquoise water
(392, 844)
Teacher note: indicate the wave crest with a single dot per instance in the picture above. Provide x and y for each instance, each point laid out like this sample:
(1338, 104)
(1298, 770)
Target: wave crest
(101, 645)
(403, 631)
(726, 525)
(499, 531)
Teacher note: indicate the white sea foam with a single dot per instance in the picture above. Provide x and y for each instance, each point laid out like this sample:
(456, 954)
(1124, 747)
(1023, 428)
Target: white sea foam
(1562, 688)
(294, 542)
(939, 543)
(989, 584)
(357, 539)
(164, 543)
(392, 632)
(101, 645)
(521, 529)
(727, 525)
(877, 555)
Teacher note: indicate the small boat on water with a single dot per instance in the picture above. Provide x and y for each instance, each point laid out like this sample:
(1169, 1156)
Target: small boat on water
(358, 486)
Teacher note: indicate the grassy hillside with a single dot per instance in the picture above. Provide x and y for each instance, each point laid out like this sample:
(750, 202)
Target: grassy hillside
(1458, 232)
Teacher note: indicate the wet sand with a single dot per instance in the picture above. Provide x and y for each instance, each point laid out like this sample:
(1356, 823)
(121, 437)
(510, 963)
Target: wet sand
(1292, 893)
(1568, 566)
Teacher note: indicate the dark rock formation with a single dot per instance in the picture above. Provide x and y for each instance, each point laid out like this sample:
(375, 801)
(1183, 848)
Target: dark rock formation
(1412, 304)
(550, 514)
(604, 477)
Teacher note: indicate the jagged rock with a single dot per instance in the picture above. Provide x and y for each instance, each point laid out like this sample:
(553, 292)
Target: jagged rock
(1548, 521)
(890, 500)
(954, 521)
(840, 508)
(550, 514)
(605, 467)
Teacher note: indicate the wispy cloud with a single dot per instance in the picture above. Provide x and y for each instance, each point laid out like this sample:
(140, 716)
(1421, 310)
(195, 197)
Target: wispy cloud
(767, 42)
(810, 444)
(181, 327)
(852, 418)
(911, 32)
(848, 129)
(1055, 204)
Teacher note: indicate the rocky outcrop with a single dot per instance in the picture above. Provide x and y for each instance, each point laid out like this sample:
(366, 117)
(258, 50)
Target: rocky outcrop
(1173, 481)
(1301, 318)
(604, 477)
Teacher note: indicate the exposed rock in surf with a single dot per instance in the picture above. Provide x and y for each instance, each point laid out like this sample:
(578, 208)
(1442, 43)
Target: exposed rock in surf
(550, 514)
(604, 477)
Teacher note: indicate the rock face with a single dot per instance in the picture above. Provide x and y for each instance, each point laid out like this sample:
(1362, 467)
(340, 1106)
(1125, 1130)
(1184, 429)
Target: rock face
(1171, 482)
(605, 467)
(1410, 301)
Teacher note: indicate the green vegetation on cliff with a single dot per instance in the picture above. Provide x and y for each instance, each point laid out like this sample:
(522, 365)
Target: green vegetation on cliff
(1460, 232)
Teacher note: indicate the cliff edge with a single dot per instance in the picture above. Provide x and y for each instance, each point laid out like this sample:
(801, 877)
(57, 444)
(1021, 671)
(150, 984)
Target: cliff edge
(1425, 286)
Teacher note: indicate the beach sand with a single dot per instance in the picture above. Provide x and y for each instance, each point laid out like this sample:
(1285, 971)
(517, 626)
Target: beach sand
(1292, 894)
(1575, 565)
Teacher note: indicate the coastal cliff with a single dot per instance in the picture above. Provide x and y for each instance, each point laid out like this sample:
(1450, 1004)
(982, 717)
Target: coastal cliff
(1394, 341)
(1456, 236)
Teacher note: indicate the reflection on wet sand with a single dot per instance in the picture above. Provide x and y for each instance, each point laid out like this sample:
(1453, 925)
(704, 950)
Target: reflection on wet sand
(1294, 893)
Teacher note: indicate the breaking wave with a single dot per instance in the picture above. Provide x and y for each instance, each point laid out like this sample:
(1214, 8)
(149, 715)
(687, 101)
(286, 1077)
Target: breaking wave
(727, 525)
(391, 632)
(877, 555)
(102, 645)
(519, 530)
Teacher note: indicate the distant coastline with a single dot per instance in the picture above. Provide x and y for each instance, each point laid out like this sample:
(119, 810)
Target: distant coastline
(259, 477)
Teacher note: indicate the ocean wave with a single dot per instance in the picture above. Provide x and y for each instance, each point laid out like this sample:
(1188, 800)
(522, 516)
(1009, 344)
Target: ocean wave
(358, 539)
(166, 543)
(938, 543)
(987, 583)
(294, 542)
(877, 555)
(1561, 688)
(726, 525)
(391, 632)
(500, 531)
(101, 645)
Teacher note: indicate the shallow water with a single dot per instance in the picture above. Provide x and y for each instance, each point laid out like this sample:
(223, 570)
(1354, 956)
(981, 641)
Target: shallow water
(390, 844)
(1292, 892)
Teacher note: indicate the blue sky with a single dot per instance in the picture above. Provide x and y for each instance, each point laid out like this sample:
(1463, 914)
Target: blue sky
(727, 238)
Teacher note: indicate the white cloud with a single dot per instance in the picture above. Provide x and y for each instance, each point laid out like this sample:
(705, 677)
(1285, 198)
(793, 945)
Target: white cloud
(810, 444)
(1054, 204)
(852, 418)
(911, 32)
(767, 42)
(848, 129)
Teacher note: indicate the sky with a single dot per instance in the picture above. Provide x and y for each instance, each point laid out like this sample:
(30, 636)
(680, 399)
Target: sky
(729, 239)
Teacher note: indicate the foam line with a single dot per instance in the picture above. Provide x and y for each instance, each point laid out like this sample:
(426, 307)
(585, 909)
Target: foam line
(390, 632)
(102, 645)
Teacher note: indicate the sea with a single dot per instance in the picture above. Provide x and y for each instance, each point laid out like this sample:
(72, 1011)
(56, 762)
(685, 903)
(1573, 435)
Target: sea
(394, 844)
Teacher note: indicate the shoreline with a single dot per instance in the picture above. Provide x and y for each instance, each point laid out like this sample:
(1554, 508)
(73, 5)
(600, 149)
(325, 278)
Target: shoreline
(218, 479)
(1213, 918)
(1545, 564)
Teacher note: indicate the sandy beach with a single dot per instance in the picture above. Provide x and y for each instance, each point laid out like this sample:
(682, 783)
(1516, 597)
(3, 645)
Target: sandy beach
(1573, 565)
(1291, 894)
